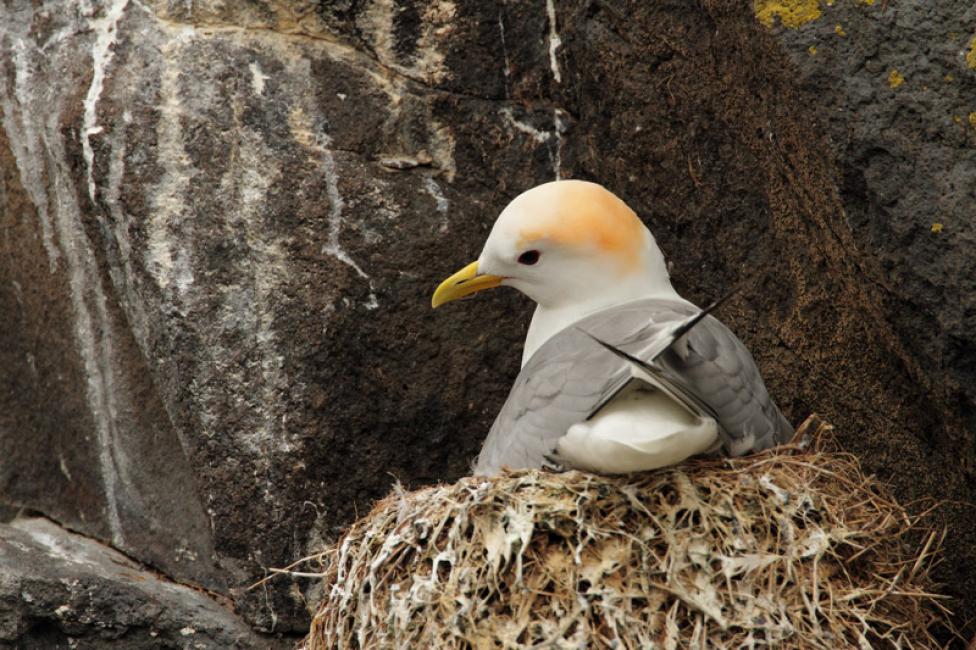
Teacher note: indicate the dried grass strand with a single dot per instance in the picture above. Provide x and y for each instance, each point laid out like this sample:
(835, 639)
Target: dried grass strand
(794, 547)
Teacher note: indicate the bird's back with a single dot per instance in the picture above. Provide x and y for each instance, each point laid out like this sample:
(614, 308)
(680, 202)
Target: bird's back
(571, 376)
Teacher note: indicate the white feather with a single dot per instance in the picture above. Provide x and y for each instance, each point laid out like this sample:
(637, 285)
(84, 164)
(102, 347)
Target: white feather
(640, 429)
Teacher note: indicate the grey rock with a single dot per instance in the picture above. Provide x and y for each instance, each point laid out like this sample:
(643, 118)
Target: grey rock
(217, 252)
(894, 85)
(209, 268)
(61, 590)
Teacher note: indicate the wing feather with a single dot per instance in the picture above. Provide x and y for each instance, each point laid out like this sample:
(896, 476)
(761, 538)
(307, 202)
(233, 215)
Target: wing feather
(571, 376)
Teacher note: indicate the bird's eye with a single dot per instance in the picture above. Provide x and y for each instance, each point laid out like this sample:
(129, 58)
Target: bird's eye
(528, 258)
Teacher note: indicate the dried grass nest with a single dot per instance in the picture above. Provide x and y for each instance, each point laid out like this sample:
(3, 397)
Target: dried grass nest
(793, 547)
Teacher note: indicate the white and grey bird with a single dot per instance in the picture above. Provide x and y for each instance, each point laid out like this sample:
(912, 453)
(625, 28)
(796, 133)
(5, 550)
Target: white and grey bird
(619, 373)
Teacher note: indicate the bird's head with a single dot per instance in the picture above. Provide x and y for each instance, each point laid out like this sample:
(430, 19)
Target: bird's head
(565, 242)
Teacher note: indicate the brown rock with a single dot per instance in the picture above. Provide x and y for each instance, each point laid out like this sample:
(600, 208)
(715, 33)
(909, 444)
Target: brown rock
(216, 343)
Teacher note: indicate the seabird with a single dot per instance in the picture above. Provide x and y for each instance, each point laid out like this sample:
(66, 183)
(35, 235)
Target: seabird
(619, 373)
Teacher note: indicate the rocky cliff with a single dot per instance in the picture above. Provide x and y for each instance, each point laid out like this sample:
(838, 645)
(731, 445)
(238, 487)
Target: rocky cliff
(221, 223)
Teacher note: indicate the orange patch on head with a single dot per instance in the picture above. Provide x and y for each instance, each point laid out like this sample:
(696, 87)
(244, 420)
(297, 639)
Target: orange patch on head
(578, 214)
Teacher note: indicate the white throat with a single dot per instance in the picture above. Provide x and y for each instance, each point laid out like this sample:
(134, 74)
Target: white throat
(548, 321)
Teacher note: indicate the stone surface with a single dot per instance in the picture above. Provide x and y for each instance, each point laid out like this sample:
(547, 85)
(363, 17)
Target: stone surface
(894, 83)
(221, 224)
(61, 590)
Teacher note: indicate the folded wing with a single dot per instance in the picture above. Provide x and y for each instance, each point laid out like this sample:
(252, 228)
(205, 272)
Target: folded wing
(571, 376)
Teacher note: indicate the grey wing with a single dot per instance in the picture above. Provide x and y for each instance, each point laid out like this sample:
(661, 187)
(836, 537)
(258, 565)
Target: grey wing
(571, 376)
(567, 379)
(546, 400)
(717, 367)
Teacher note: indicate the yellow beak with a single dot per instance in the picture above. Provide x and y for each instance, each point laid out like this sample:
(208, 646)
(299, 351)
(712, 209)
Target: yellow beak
(463, 283)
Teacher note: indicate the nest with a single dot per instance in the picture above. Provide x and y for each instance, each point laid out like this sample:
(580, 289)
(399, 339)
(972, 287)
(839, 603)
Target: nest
(794, 547)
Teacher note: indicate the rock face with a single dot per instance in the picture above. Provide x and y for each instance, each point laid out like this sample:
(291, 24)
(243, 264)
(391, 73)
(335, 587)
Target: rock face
(896, 88)
(894, 83)
(60, 590)
(222, 223)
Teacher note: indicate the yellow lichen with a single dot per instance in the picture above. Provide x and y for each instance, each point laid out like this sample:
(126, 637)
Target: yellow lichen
(949, 77)
(869, 3)
(972, 119)
(813, 50)
(791, 13)
(957, 119)
(895, 78)
(971, 54)
(839, 30)
(937, 227)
